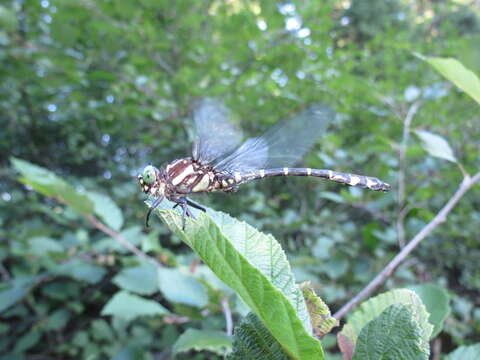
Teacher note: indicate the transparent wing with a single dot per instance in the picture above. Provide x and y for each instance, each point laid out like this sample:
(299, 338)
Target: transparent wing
(216, 135)
(281, 146)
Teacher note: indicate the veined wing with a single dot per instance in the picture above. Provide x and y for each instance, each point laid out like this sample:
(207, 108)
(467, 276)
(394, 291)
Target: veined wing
(216, 135)
(281, 146)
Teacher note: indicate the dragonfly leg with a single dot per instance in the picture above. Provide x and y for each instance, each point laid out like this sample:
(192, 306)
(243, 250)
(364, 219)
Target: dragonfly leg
(183, 202)
(153, 207)
(195, 205)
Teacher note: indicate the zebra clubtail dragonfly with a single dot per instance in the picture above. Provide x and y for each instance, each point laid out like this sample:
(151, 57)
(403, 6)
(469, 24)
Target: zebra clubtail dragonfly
(221, 162)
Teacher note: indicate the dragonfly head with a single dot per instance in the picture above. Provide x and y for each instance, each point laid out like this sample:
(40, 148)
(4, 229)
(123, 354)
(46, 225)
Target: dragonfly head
(152, 181)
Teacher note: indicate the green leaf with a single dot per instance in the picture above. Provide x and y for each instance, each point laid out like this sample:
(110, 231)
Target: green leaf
(129, 306)
(106, 209)
(139, 279)
(252, 340)
(81, 270)
(373, 307)
(49, 184)
(181, 288)
(436, 145)
(322, 320)
(255, 266)
(458, 74)
(437, 302)
(471, 352)
(394, 335)
(27, 341)
(9, 297)
(8, 19)
(41, 246)
(198, 340)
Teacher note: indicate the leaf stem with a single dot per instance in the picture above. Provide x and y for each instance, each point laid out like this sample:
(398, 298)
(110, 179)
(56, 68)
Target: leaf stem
(441, 217)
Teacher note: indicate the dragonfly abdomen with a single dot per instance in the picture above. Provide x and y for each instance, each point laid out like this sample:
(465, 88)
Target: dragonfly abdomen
(362, 181)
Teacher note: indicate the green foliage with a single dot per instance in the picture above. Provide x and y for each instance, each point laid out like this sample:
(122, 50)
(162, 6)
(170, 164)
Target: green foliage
(198, 340)
(394, 334)
(95, 90)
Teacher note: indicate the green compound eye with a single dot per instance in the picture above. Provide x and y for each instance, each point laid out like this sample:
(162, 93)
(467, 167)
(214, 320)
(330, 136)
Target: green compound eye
(149, 175)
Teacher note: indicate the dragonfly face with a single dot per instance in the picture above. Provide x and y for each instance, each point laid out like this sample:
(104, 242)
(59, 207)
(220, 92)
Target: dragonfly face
(153, 181)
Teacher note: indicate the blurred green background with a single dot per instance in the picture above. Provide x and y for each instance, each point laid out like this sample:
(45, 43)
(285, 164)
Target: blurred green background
(95, 90)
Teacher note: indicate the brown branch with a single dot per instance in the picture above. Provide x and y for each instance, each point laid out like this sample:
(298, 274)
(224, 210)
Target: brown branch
(122, 241)
(441, 217)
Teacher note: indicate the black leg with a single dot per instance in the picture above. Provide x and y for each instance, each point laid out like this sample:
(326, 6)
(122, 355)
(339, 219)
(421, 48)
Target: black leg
(195, 205)
(153, 207)
(183, 202)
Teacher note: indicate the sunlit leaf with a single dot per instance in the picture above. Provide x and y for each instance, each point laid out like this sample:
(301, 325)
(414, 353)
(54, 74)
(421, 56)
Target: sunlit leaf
(436, 145)
(457, 73)
(49, 184)
(255, 266)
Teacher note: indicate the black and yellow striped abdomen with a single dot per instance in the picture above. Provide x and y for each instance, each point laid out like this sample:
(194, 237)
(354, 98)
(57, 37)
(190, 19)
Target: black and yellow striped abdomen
(362, 181)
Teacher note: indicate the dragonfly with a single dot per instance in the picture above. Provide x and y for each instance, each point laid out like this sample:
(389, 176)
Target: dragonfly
(220, 161)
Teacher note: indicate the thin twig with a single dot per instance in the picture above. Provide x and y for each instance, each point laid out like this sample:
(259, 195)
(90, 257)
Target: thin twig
(228, 316)
(402, 170)
(465, 185)
(121, 240)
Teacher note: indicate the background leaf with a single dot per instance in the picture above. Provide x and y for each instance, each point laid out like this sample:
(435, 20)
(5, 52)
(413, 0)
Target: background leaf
(106, 209)
(458, 74)
(49, 184)
(471, 352)
(437, 302)
(181, 288)
(129, 306)
(198, 340)
(138, 279)
(436, 145)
